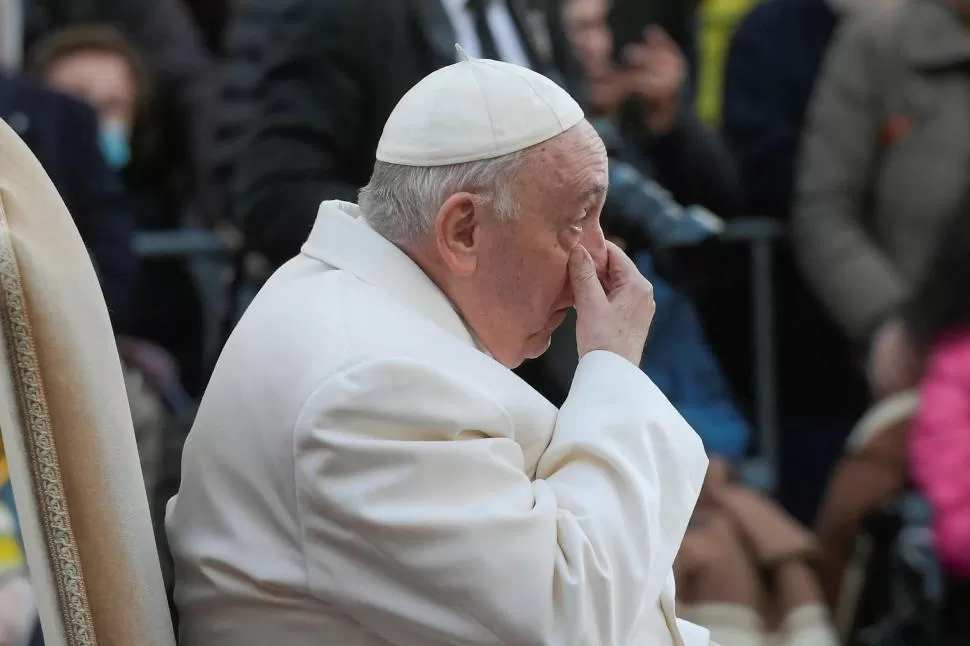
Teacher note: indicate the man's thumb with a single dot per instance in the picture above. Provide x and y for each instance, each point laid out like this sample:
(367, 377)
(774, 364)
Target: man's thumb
(582, 275)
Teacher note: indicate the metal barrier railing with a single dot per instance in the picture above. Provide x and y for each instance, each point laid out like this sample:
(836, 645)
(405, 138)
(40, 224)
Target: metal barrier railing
(192, 243)
(760, 233)
(210, 257)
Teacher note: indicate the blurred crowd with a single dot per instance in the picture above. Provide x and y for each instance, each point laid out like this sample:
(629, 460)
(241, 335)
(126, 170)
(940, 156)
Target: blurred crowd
(847, 122)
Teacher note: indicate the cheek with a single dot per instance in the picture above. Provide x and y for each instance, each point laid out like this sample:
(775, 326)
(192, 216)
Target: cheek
(555, 277)
(537, 281)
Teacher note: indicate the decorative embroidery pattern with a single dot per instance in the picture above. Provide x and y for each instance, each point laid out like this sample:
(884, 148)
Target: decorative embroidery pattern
(42, 453)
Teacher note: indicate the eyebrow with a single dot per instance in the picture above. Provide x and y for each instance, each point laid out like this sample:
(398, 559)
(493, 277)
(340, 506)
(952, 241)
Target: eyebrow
(594, 192)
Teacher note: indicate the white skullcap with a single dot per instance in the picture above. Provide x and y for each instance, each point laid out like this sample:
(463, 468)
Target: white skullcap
(474, 110)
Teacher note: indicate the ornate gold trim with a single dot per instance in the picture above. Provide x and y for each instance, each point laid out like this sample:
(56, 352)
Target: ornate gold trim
(45, 470)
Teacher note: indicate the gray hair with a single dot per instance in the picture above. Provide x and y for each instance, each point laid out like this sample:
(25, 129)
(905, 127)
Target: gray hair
(401, 202)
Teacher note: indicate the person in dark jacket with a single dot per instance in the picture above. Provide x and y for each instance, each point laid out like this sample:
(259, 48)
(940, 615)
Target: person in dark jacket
(63, 134)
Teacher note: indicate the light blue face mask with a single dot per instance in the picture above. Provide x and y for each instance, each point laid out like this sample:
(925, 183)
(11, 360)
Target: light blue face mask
(113, 139)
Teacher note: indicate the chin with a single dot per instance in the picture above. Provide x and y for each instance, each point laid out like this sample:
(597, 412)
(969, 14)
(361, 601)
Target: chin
(538, 347)
(533, 350)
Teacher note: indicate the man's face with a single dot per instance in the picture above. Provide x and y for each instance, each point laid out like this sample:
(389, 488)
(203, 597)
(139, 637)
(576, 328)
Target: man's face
(589, 32)
(102, 79)
(523, 280)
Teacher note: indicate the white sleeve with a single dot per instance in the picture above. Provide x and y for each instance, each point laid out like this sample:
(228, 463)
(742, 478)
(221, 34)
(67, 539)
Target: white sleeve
(420, 522)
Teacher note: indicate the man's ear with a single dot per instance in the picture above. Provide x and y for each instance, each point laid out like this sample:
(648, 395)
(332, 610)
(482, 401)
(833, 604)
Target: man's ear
(458, 233)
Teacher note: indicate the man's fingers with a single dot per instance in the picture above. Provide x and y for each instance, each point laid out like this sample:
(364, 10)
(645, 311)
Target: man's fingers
(587, 289)
(621, 267)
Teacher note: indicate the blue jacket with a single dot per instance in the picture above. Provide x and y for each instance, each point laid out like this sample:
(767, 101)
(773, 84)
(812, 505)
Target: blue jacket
(678, 359)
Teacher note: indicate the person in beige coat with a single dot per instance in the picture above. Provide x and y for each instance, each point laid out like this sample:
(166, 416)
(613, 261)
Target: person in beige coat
(747, 571)
(366, 470)
(885, 159)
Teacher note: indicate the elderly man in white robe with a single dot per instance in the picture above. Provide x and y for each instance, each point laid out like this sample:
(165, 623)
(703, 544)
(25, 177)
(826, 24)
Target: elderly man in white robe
(366, 469)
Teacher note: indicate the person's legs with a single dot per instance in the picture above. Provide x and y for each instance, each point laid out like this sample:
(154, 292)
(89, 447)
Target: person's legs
(866, 478)
(717, 586)
(806, 620)
(785, 552)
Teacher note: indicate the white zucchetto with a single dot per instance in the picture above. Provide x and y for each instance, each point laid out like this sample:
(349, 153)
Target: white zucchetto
(474, 110)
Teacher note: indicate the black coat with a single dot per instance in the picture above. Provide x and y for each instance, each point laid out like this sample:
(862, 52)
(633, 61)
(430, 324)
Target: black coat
(310, 84)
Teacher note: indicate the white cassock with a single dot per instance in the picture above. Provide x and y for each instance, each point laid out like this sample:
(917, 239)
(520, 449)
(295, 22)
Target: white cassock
(361, 473)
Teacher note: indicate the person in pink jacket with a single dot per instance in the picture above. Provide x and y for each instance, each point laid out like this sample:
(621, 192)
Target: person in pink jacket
(939, 451)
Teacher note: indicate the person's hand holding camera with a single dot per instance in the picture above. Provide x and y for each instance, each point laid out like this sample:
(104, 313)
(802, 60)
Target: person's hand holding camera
(656, 72)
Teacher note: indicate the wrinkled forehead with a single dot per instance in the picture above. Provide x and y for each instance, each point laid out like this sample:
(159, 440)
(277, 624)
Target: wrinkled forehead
(572, 167)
